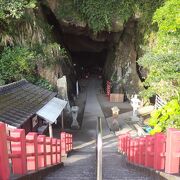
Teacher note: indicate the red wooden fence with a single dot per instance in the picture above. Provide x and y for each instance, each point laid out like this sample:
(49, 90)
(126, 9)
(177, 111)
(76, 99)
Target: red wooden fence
(30, 152)
(160, 151)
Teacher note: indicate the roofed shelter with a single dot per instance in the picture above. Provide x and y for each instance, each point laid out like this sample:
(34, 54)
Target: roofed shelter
(19, 103)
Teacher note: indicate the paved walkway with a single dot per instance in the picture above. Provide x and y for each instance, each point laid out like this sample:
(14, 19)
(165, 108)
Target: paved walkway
(82, 162)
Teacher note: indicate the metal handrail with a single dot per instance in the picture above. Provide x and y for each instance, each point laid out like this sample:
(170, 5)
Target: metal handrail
(99, 150)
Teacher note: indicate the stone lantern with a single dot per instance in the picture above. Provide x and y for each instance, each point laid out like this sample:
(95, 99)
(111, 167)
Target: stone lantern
(135, 103)
(115, 111)
(74, 111)
(115, 124)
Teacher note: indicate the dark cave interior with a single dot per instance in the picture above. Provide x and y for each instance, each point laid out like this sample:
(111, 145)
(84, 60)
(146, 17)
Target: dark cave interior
(88, 55)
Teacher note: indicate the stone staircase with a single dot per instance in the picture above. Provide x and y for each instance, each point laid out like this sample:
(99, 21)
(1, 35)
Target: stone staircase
(81, 165)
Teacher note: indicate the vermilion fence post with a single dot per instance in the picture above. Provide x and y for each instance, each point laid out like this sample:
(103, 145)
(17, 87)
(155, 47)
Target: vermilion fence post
(54, 150)
(149, 151)
(63, 143)
(141, 151)
(58, 150)
(66, 141)
(172, 151)
(71, 141)
(131, 150)
(48, 151)
(125, 143)
(32, 147)
(41, 151)
(128, 146)
(159, 151)
(108, 88)
(124, 146)
(136, 150)
(4, 164)
(19, 164)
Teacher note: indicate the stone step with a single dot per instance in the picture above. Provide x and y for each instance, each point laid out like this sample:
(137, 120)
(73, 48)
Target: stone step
(82, 165)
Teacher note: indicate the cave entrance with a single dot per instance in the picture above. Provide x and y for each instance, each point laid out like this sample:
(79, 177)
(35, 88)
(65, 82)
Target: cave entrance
(88, 52)
(88, 55)
(88, 62)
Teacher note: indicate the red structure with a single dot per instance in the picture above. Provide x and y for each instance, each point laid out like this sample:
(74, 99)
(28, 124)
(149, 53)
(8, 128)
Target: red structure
(30, 152)
(66, 143)
(149, 151)
(158, 151)
(141, 149)
(172, 151)
(108, 88)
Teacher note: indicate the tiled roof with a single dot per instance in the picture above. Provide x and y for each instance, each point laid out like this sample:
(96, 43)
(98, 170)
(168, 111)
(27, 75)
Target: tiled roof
(20, 100)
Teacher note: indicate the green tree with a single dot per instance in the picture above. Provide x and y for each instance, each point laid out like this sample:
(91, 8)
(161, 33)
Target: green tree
(162, 61)
(16, 63)
(14, 9)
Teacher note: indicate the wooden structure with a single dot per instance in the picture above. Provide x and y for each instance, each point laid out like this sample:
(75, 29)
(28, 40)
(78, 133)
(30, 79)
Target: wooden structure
(114, 97)
(19, 103)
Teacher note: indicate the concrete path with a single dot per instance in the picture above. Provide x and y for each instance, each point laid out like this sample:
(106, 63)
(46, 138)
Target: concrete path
(81, 165)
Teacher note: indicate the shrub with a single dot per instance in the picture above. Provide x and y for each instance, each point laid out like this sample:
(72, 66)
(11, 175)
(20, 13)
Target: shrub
(16, 63)
(165, 117)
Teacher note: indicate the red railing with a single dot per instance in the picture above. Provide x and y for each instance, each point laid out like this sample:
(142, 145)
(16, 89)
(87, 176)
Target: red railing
(108, 88)
(66, 141)
(30, 152)
(160, 151)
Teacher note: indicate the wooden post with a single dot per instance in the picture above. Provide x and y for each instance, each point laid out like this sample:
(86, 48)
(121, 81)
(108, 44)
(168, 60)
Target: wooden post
(128, 146)
(71, 141)
(54, 150)
(41, 149)
(62, 119)
(149, 151)
(32, 147)
(4, 163)
(50, 130)
(136, 150)
(58, 150)
(159, 151)
(63, 143)
(172, 151)
(19, 164)
(142, 143)
(48, 151)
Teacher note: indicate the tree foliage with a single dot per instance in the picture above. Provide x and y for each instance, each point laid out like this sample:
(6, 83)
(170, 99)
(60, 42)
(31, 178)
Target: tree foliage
(16, 63)
(163, 74)
(14, 9)
(168, 17)
(98, 14)
(162, 60)
(26, 41)
(165, 117)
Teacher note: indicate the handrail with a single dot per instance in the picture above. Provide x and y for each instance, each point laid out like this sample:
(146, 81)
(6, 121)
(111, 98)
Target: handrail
(99, 150)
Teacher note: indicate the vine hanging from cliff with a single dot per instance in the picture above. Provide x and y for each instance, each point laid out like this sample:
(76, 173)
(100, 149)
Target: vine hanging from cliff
(98, 14)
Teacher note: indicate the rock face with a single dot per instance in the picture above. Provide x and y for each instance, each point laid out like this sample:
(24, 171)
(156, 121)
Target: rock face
(36, 33)
(122, 60)
(119, 45)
